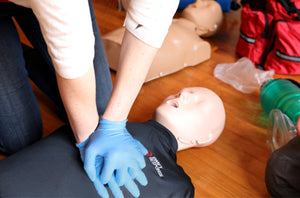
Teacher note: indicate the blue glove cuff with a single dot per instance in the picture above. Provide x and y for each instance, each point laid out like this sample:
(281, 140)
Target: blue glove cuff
(107, 124)
(83, 144)
(81, 147)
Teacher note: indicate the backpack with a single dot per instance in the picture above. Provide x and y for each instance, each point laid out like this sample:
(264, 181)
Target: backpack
(270, 34)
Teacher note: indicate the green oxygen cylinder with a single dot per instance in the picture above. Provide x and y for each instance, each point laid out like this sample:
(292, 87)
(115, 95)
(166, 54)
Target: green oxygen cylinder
(281, 94)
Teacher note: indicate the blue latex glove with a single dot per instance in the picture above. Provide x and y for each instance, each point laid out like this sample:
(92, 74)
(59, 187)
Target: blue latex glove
(129, 184)
(115, 189)
(98, 185)
(111, 156)
(81, 146)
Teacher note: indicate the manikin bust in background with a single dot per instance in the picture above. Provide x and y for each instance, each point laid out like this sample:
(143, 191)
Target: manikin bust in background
(182, 46)
(51, 167)
(206, 15)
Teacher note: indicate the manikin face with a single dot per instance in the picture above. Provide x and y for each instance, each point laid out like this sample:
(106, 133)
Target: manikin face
(195, 116)
(206, 14)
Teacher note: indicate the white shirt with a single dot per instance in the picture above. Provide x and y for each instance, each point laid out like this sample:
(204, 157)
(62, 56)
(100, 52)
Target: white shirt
(67, 29)
(149, 20)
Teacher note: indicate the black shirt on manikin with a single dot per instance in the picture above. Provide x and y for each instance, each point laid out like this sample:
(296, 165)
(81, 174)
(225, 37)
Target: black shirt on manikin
(52, 167)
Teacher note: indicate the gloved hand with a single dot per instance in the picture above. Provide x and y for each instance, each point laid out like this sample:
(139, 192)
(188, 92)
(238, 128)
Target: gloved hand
(129, 184)
(98, 185)
(110, 155)
(81, 146)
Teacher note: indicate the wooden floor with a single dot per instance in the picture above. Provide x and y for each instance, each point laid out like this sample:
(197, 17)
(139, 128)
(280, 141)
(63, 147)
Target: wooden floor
(234, 165)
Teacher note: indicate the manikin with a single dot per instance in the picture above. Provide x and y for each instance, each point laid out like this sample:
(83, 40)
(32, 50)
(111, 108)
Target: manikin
(194, 117)
(182, 46)
(206, 15)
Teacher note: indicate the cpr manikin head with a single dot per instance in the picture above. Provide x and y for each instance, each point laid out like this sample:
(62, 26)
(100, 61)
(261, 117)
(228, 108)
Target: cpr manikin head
(195, 116)
(207, 15)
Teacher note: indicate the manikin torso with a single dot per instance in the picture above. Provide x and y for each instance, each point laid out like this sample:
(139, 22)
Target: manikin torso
(182, 46)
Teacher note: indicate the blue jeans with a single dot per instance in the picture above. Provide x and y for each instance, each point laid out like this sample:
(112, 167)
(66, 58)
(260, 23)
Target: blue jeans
(20, 117)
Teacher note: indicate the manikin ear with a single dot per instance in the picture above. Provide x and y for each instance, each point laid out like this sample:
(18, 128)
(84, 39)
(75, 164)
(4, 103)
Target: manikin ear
(206, 32)
(213, 28)
(201, 30)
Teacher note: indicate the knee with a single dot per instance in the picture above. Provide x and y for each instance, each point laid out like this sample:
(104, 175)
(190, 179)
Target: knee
(272, 178)
(15, 137)
(281, 175)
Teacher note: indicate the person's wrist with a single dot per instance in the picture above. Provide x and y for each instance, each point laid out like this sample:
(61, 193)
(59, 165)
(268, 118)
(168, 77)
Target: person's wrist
(113, 118)
(114, 114)
(84, 136)
(82, 144)
(113, 125)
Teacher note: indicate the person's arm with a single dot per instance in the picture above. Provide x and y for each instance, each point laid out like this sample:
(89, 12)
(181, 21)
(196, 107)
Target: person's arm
(111, 146)
(135, 60)
(79, 96)
(70, 41)
(147, 23)
(298, 125)
(121, 155)
(72, 57)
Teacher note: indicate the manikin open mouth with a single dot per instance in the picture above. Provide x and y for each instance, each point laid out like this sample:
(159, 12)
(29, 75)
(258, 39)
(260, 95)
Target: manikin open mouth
(173, 103)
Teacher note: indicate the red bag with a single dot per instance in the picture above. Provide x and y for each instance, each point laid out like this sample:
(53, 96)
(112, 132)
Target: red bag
(284, 9)
(280, 49)
(254, 33)
(284, 54)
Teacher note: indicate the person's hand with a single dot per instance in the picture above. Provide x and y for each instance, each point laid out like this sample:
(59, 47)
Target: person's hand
(298, 125)
(111, 156)
(129, 184)
(98, 185)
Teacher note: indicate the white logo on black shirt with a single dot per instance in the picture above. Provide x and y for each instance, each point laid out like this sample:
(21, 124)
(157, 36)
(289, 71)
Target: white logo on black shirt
(155, 163)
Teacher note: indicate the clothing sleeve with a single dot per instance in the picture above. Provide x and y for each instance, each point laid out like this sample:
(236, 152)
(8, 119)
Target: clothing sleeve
(149, 20)
(67, 30)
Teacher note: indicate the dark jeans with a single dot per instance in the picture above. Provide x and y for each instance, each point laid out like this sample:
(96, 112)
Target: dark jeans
(20, 118)
(283, 170)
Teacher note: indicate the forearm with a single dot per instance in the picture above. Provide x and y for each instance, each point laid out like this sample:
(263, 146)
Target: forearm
(147, 23)
(79, 98)
(134, 63)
